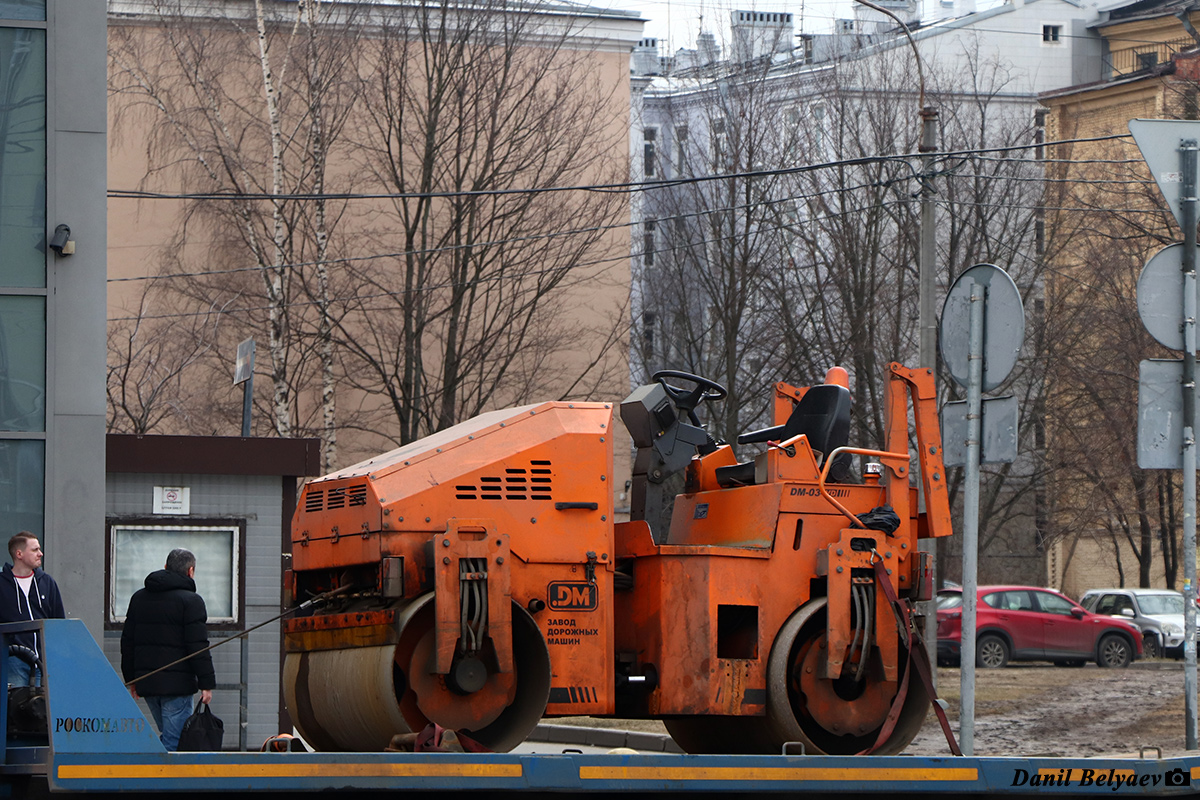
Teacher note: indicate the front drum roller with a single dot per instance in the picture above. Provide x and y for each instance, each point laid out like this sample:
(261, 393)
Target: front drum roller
(358, 698)
(833, 717)
(344, 699)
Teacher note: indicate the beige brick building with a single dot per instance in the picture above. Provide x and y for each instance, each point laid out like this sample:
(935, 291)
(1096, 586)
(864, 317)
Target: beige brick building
(1111, 522)
(359, 212)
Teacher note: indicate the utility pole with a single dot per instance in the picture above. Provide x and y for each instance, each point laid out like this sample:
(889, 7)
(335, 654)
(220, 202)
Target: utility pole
(1187, 203)
(926, 286)
(927, 317)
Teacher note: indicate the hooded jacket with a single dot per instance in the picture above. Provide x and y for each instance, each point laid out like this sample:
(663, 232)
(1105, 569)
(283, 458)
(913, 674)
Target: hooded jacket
(45, 602)
(166, 621)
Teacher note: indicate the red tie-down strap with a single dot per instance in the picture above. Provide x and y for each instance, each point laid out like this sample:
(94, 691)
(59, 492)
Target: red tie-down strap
(918, 660)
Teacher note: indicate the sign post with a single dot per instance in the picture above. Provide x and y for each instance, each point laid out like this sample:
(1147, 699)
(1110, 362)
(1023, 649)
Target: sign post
(244, 374)
(1166, 144)
(1187, 201)
(986, 302)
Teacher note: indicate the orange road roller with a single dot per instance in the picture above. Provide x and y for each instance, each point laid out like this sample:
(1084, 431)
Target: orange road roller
(483, 581)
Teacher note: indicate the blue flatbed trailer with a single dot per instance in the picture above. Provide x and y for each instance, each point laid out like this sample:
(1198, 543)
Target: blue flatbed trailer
(99, 743)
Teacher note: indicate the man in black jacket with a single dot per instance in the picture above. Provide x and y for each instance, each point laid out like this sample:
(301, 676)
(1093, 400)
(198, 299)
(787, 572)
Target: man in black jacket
(26, 593)
(167, 621)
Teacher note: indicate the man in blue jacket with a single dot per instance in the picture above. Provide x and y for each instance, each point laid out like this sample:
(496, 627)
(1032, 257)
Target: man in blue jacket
(167, 621)
(26, 593)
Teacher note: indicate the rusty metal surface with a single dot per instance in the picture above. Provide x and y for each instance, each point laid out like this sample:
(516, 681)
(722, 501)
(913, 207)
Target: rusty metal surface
(344, 697)
(831, 710)
(336, 631)
(804, 706)
(353, 619)
(741, 517)
(454, 711)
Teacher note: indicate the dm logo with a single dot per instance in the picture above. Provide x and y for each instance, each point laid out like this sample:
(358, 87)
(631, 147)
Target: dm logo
(572, 597)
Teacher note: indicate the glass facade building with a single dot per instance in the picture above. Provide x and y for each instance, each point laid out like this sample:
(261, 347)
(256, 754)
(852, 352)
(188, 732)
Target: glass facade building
(23, 265)
(53, 157)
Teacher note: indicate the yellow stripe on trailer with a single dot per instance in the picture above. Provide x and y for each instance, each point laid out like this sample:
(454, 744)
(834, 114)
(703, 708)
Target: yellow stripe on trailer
(779, 773)
(227, 770)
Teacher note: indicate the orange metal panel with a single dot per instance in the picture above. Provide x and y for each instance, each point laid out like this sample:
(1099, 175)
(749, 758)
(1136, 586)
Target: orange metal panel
(333, 508)
(929, 446)
(838, 565)
(577, 625)
(340, 552)
(702, 472)
(786, 398)
(742, 517)
(633, 538)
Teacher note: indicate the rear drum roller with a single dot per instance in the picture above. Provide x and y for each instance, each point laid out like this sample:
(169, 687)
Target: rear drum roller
(834, 717)
(505, 707)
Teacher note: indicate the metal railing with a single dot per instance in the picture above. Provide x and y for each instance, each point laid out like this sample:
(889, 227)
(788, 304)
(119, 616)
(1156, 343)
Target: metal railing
(1143, 57)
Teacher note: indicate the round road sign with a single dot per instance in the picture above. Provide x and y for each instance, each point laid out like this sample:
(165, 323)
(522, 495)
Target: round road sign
(1003, 325)
(1160, 296)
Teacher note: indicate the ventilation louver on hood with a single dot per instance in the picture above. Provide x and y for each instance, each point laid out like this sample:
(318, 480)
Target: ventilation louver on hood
(516, 483)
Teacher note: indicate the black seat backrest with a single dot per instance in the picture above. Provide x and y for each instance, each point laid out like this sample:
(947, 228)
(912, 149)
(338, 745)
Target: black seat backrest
(823, 415)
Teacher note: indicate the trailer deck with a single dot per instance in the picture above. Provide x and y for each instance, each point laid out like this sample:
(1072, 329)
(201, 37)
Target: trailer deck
(99, 742)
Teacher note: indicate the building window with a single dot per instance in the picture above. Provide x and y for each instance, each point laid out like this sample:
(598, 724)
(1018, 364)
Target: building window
(648, 154)
(23, 485)
(136, 550)
(23, 356)
(681, 143)
(648, 243)
(23, 9)
(23, 269)
(1051, 33)
(648, 334)
(23, 160)
(816, 112)
(719, 142)
(793, 132)
(1147, 60)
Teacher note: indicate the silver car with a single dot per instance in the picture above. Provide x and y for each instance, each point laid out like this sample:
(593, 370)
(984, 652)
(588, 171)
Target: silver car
(1158, 613)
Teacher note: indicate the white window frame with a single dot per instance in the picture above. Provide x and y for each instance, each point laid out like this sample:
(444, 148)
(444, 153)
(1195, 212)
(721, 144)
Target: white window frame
(650, 152)
(1057, 28)
(681, 148)
(212, 579)
(719, 143)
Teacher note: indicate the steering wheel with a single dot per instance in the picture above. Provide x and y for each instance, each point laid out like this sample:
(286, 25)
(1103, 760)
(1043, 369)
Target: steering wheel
(686, 400)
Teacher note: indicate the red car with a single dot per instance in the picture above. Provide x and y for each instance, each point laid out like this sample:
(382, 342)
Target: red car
(1026, 623)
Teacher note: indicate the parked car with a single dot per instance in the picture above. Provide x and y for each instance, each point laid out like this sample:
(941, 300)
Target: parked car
(1027, 623)
(1158, 614)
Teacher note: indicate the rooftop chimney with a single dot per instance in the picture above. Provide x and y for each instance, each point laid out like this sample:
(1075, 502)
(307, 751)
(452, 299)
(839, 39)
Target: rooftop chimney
(760, 33)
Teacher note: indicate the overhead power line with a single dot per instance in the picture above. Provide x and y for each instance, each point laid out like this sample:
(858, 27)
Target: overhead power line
(627, 187)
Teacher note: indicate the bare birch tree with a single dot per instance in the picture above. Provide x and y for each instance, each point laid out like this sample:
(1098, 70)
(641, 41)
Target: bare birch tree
(477, 114)
(249, 108)
(149, 354)
(833, 266)
(1100, 489)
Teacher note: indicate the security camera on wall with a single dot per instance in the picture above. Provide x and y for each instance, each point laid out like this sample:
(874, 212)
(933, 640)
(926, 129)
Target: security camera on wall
(61, 242)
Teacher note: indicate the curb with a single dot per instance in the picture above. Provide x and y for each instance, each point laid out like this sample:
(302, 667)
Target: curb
(604, 737)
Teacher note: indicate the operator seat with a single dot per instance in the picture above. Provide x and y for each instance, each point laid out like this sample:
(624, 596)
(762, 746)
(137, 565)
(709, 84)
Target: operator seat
(823, 415)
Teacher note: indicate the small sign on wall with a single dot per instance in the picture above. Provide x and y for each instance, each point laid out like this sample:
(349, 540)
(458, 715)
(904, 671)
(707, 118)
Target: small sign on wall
(172, 500)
